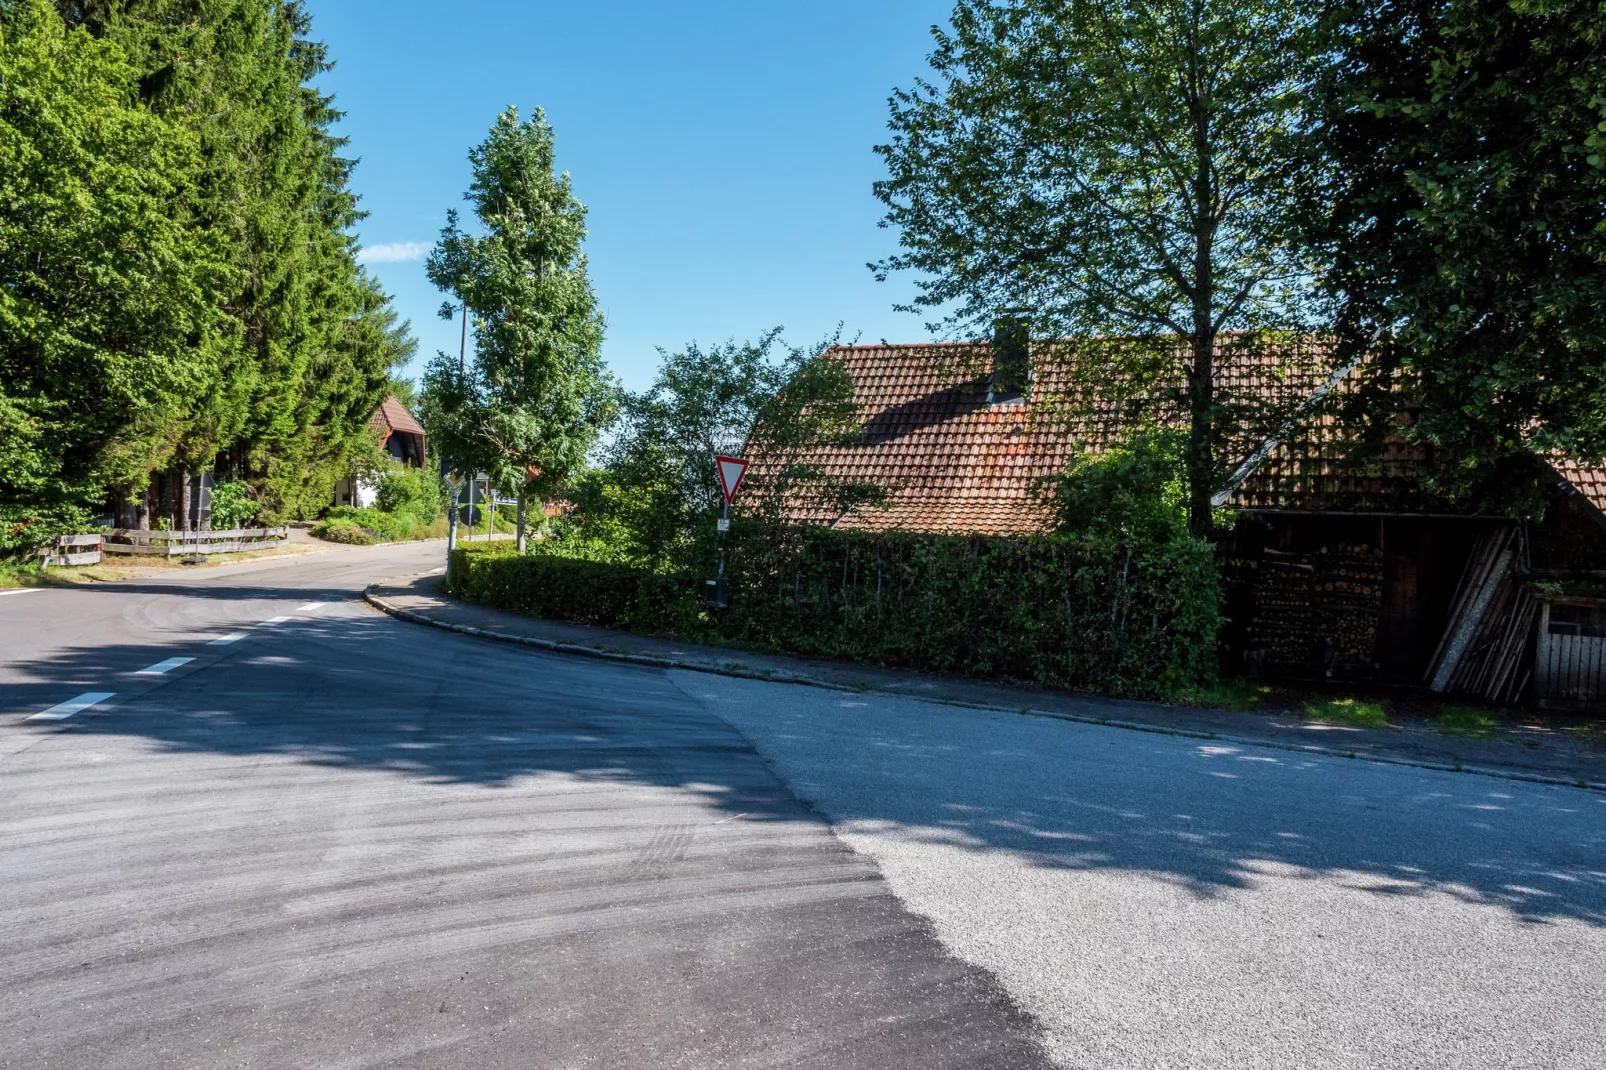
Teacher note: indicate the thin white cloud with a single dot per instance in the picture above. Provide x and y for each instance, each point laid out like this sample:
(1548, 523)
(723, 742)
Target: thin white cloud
(394, 252)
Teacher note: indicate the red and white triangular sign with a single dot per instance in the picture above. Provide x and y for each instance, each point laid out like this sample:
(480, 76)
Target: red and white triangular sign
(731, 471)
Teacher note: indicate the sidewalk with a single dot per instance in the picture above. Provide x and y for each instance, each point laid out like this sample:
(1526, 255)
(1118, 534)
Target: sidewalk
(1533, 752)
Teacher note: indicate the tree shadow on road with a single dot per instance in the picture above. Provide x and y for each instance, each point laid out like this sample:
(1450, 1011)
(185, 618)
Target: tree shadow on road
(372, 695)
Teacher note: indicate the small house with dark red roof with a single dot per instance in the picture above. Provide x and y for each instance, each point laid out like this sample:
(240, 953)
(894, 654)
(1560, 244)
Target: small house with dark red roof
(1336, 569)
(399, 435)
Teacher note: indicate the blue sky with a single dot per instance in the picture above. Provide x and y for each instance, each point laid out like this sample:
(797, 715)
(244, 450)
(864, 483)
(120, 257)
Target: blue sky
(723, 149)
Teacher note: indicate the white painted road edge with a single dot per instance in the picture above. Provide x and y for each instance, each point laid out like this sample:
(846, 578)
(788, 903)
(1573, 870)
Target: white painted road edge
(20, 590)
(63, 710)
(164, 666)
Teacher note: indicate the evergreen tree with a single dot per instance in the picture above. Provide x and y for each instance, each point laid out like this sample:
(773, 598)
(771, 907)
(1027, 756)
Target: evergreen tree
(110, 288)
(311, 339)
(533, 401)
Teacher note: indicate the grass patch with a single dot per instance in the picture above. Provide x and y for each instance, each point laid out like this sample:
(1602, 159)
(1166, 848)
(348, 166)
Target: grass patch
(1240, 696)
(1468, 721)
(1592, 733)
(32, 575)
(1348, 711)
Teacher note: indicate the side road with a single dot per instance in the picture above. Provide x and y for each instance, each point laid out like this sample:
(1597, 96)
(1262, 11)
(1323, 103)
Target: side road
(1525, 752)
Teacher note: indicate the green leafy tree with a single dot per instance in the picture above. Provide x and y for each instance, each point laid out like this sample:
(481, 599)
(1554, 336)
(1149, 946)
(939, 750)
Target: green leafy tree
(1468, 138)
(1131, 173)
(533, 403)
(110, 289)
(659, 489)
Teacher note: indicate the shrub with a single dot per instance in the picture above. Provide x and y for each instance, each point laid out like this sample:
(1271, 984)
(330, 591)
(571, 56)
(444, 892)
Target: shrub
(412, 492)
(1082, 611)
(232, 505)
(565, 588)
(385, 527)
(344, 531)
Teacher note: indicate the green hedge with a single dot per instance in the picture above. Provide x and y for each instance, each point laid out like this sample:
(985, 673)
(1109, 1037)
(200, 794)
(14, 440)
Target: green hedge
(1085, 612)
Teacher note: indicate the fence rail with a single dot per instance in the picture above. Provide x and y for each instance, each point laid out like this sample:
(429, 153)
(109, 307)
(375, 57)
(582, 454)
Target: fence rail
(67, 552)
(184, 543)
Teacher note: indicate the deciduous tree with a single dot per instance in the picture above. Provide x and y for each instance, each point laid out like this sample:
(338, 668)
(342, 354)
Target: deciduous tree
(1131, 173)
(1469, 138)
(537, 393)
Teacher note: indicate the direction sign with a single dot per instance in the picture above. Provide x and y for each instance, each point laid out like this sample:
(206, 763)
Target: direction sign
(731, 471)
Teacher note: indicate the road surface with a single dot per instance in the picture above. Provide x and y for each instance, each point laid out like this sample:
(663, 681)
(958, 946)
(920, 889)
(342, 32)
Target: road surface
(246, 821)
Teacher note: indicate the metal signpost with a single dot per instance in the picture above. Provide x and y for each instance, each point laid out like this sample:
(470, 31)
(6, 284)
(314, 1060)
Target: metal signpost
(731, 470)
(455, 481)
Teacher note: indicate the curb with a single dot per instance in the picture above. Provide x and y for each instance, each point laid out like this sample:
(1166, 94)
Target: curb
(1311, 749)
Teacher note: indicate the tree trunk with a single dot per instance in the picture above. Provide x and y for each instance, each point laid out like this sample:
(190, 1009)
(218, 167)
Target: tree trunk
(1201, 468)
(523, 513)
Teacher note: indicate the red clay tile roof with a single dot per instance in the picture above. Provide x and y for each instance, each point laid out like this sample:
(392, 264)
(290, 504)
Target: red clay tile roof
(392, 415)
(948, 461)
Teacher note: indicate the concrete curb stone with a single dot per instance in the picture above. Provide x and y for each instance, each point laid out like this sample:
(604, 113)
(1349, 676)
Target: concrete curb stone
(1311, 749)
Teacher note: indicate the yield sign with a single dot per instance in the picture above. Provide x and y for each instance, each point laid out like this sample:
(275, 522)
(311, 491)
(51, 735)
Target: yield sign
(731, 471)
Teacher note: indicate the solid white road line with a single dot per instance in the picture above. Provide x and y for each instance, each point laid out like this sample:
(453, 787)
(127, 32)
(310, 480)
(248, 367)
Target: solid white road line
(20, 590)
(275, 620)
(62, 711)
(310, 606)
(232, 637)
(164, 666)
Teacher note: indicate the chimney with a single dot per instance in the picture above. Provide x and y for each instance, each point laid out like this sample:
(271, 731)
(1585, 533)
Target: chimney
(1012, 358)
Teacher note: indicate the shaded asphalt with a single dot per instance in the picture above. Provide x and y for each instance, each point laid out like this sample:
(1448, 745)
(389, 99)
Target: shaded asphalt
(345, 841)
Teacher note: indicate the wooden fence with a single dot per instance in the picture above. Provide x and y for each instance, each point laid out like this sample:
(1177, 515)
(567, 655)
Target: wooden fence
(74, 550)
(1570, 662)
(185, 543)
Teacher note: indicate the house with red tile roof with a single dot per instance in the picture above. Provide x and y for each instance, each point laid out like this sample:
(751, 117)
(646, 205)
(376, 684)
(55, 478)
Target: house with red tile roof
(402, 438)
(1338, 568)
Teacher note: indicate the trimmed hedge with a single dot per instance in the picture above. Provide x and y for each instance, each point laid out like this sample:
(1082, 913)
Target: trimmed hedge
(1085, 612)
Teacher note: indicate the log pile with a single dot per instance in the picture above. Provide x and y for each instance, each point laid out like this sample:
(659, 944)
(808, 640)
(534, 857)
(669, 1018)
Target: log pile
(1284, 591)
(1317, 610)
(1349, 589)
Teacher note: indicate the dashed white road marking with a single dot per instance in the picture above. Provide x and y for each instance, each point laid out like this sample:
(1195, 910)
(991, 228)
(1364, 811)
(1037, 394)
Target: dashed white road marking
(63, 710)
(164, 666)
(275, 620)
(436, 571)
(310, 606)
(232, 637)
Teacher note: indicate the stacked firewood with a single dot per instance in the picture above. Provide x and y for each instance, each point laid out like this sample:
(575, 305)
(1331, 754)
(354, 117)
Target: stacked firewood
(1317, 611)
(1349, 599)
(1280, 630)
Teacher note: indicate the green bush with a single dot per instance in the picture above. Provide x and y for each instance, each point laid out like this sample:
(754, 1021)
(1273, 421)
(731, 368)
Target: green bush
(26, 527)
(386, 527)
(416, 493)
(565, 588)
(232, 505)
(1086, 611)
(344, 531)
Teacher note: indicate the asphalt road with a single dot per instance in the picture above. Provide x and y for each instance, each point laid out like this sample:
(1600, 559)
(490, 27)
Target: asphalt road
(1156, 901)
(339, 840)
